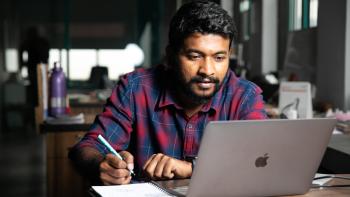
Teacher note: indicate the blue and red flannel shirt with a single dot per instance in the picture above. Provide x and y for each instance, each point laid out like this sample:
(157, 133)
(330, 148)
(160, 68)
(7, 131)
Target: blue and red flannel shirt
(143, 117)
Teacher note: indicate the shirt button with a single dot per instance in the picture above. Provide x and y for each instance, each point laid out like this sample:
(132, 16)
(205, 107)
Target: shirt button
(190, 126)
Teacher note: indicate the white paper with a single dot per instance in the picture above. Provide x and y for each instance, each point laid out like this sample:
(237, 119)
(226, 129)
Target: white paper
(290, 92)
(130, 190)
(66, 119)
(321, 181)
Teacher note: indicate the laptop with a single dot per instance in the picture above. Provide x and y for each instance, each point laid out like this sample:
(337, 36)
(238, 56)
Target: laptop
(259, 157)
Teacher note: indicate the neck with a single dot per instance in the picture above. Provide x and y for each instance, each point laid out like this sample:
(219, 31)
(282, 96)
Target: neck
(192, 111)
(189, 106)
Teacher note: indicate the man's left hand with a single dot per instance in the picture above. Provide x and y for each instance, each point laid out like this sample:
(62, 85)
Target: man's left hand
(160, 167)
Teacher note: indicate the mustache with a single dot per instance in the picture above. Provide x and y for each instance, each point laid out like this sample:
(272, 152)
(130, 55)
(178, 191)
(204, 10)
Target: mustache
(204, 79)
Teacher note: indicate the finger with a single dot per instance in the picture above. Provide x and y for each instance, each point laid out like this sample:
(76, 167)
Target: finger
(105, 167)
(112, 176)
(152, 165)
(109, 180)
(158, 171)
(128, 158)
(168, 170)
(148, 161)
(119, 173)
(115, 161)
(126, 180)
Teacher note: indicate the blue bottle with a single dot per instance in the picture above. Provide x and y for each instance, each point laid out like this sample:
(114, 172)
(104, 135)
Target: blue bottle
(58, 91)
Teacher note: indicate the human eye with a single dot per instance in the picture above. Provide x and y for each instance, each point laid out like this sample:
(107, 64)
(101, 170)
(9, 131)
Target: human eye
(219, 58)
(194, 56)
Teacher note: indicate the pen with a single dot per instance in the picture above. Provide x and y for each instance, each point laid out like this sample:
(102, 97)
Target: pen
(109, 147)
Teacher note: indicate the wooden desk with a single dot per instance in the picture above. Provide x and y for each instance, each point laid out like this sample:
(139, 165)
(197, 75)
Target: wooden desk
(314, 192)
(89, 109)
(62, 179)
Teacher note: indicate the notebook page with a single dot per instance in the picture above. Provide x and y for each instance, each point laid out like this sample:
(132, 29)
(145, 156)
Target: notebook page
(321, 181)
(130, 190)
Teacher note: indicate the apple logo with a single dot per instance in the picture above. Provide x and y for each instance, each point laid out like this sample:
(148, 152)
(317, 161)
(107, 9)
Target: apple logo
(261, 161)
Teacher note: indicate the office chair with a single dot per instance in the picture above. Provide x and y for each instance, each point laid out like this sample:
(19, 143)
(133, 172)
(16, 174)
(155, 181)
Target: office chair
(99, 77)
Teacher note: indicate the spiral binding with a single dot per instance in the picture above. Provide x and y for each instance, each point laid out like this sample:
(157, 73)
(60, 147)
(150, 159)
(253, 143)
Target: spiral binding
(169, 192)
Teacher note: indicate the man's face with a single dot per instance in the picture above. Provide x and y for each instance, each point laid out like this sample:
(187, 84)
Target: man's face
(202, 64)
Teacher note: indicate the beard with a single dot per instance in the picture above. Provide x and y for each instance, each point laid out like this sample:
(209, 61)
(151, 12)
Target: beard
(186, 87)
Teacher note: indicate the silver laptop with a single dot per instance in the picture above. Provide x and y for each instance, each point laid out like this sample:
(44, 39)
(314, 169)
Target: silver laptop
(259, 158)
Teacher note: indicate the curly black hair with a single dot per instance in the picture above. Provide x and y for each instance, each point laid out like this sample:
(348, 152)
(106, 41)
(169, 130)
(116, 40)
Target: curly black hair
(203, 17)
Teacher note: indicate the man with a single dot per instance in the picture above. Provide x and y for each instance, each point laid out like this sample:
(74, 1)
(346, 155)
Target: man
(155, 118)
(37, 48)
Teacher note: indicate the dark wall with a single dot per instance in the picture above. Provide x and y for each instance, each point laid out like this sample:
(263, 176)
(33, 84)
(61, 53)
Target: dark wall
(297, 50)
(159, 14)
(81, 23)
(331, 49)
(282, 32)
(254, 45)
(301, 55)
(4, 10)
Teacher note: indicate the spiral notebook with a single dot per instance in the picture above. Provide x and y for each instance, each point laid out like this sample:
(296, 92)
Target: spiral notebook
(148, 189)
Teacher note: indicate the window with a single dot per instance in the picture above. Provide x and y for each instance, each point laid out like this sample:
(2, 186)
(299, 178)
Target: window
(313, 13)
(302, 14)
(58, 55)
(80, 61)
(244, 8)
(11, 60)
(295, 14)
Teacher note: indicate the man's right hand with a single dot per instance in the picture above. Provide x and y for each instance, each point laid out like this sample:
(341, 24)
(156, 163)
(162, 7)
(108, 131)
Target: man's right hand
(114, 171)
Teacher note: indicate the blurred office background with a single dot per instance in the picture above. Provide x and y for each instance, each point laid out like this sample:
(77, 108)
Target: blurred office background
(298, 40)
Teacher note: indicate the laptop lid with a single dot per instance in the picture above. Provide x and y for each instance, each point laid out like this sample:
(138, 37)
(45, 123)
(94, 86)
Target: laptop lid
(259, 157)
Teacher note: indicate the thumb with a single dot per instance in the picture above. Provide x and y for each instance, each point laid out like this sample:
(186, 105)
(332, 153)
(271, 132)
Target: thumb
(128, 158)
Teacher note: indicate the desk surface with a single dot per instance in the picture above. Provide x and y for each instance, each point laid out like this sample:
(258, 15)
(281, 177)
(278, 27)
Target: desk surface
(341, 143)
(337, 157)
(47, 128)
(313, 192)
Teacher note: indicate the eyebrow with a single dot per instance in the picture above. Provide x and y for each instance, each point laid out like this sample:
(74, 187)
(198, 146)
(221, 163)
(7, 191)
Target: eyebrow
(200, 52)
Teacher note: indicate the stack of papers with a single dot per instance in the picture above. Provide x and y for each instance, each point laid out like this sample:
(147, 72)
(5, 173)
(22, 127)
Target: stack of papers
(66, 119)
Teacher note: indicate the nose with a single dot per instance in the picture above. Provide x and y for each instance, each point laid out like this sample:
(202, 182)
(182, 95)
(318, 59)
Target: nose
(207, 68)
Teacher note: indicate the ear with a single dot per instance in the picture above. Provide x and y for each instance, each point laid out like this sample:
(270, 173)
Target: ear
(169, 57)
(231, 51)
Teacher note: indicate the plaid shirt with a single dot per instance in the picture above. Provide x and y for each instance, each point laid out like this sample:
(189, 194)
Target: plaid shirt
(143, 117)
